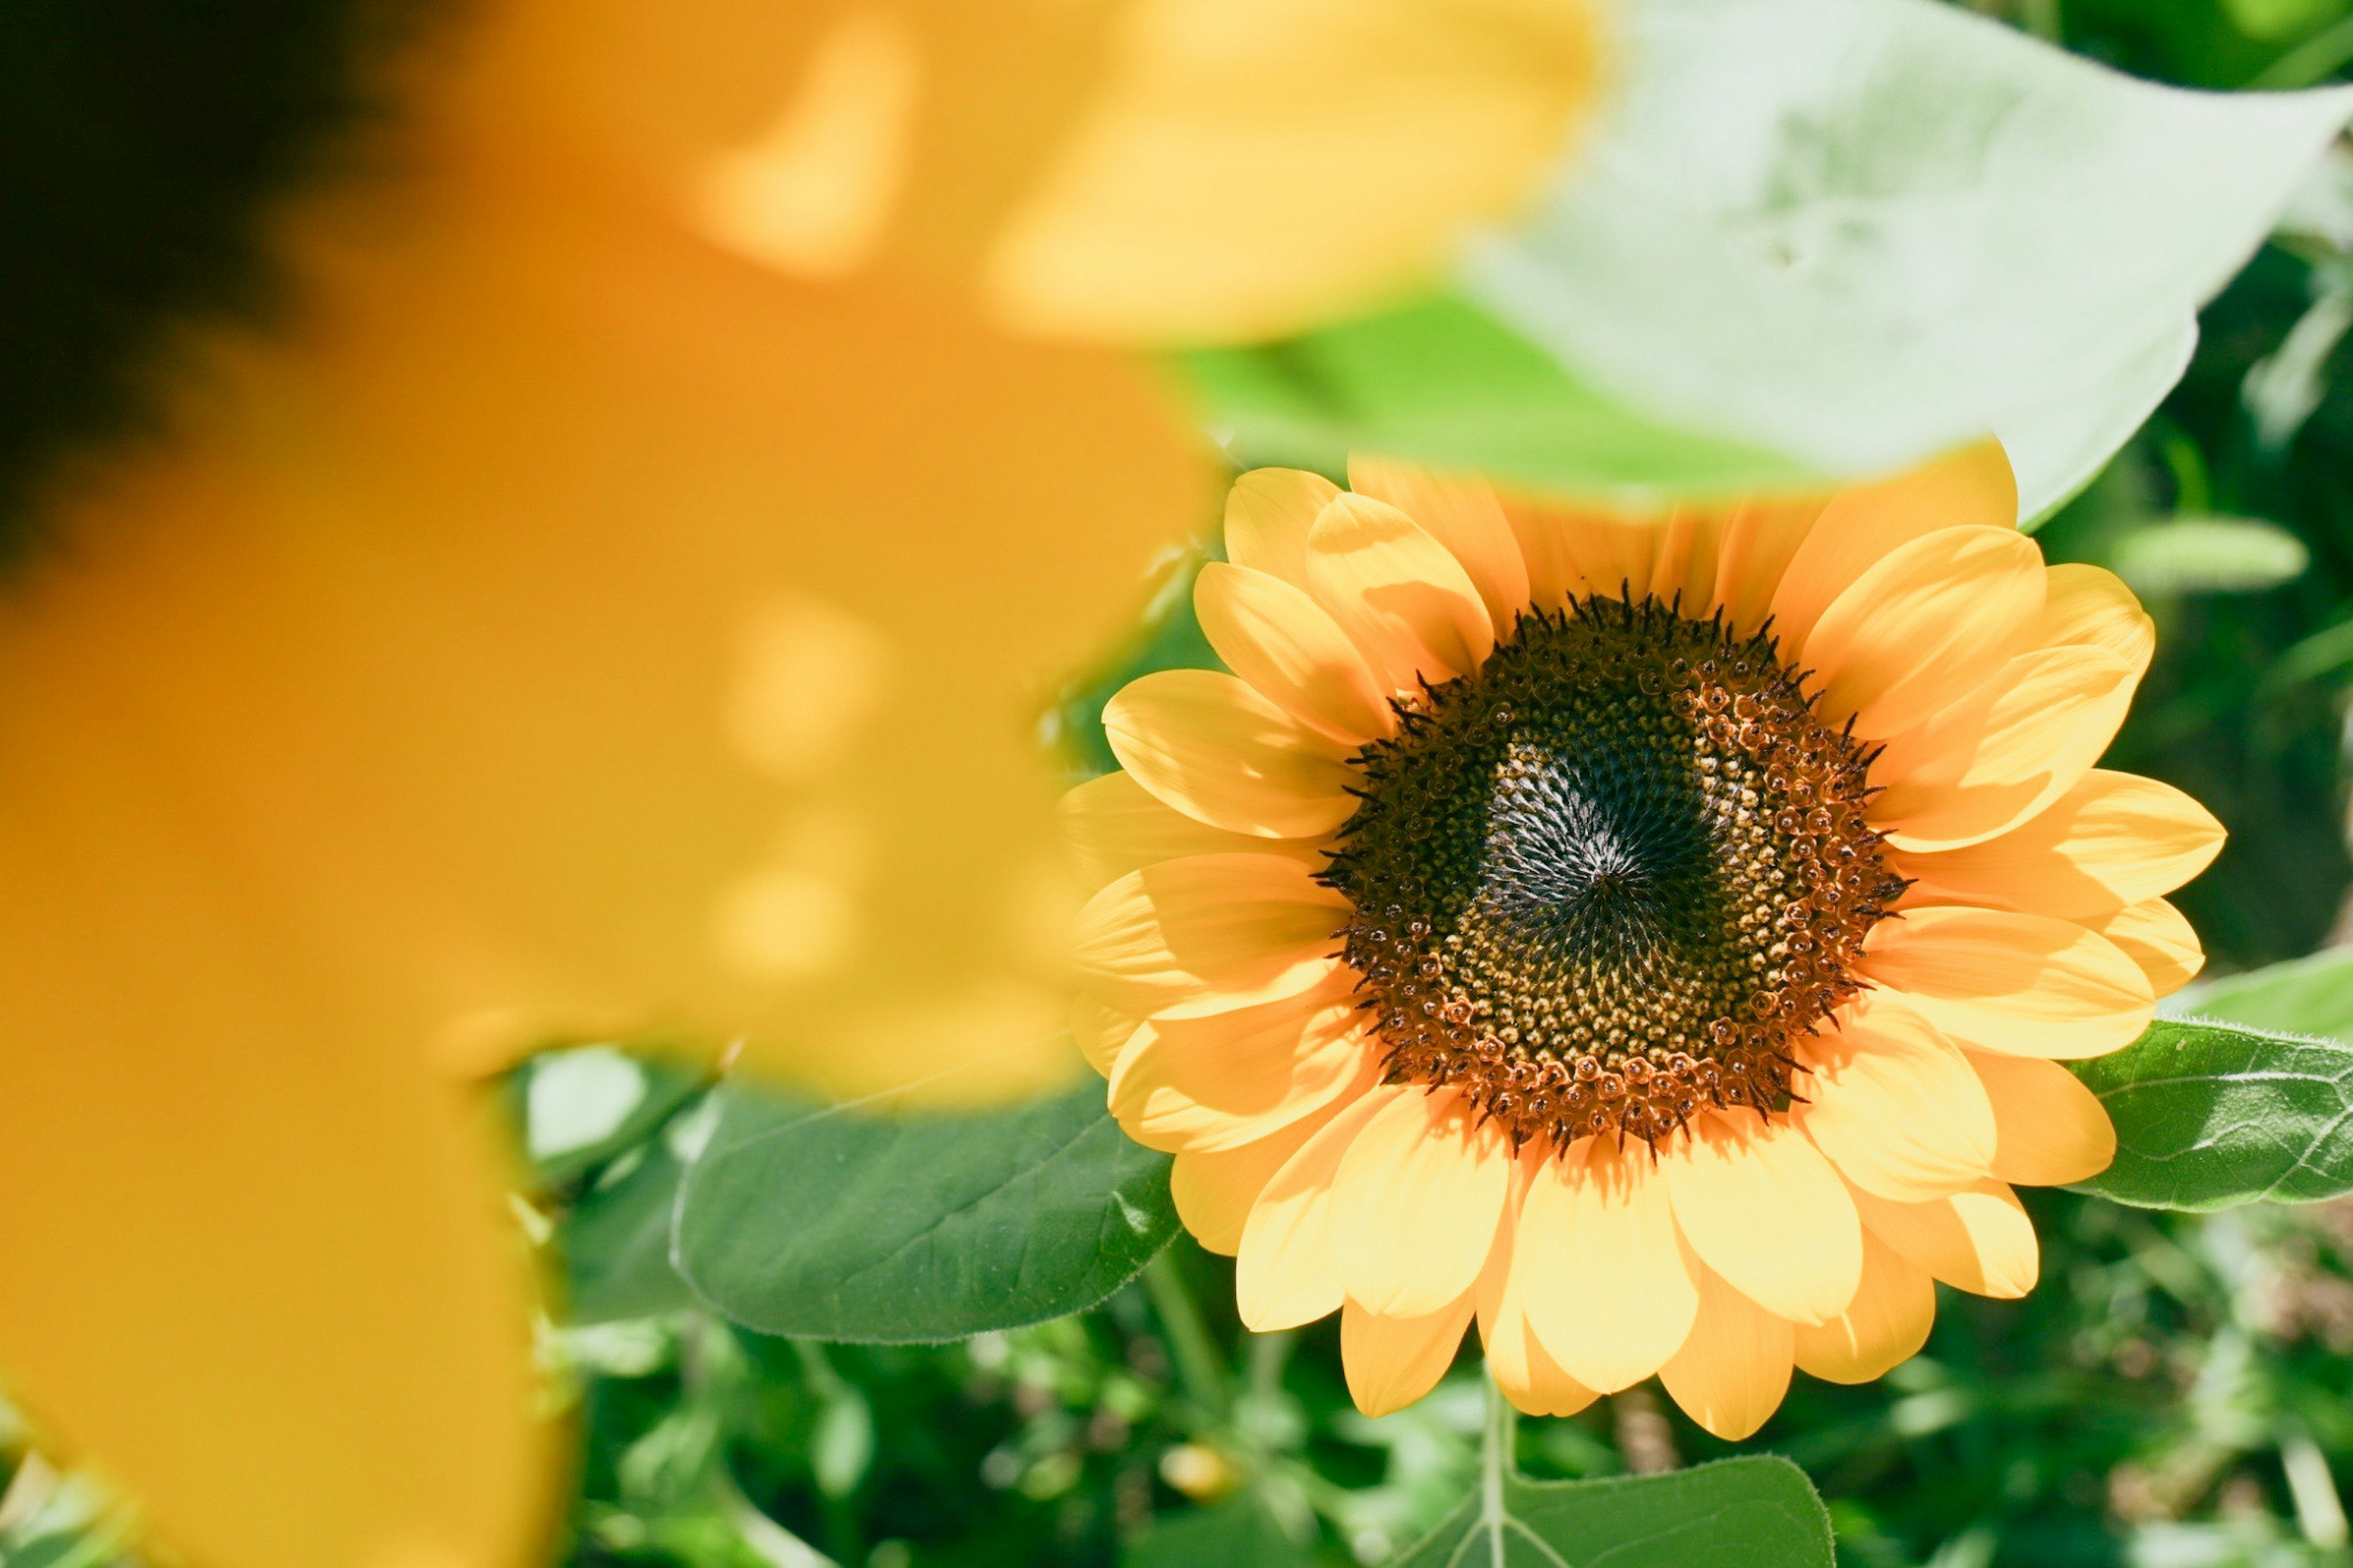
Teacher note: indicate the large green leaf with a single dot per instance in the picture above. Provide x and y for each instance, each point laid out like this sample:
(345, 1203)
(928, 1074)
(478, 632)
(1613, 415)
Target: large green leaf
(837, 1224)
(615, 1242)
(2209, 1116)
(1753, 1512)
(2304, 996)
(1850, 233)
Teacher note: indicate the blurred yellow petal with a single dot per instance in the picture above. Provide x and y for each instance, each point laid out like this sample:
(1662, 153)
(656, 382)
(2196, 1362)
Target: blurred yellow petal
(1249, 166)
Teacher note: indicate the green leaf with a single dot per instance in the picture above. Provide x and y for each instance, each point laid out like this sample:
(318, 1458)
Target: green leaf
(1846, 233)
(2209, 555)
(1445, 380)
(2209, 1116)
(1758, 1511)
(835, 1224)
(2302, 996)
(616, 1244)
(1241, 1533)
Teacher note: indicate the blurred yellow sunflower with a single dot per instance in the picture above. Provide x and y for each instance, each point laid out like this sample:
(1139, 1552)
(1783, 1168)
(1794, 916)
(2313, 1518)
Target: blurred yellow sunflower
(1654, 938)
(617, 600)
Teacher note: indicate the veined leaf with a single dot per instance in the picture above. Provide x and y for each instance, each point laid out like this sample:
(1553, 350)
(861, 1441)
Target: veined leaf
(2209, 1116)
(1750, 1512)
(831, 1223)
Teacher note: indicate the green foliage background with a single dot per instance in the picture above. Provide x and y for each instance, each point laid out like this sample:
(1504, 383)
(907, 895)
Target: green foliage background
(2178, 1394)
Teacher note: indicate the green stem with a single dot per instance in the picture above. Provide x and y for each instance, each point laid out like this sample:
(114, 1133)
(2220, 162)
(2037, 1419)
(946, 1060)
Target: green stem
(1496, 1457)
(2315, 60)
(1199, 1370)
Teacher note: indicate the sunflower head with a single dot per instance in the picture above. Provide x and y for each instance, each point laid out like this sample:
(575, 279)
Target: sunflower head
(1651, 936)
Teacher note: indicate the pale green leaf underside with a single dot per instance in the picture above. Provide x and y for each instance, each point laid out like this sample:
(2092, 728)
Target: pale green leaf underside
(1752, 1512)
(2209, 1116)
(2302, 996)
(835, 1224)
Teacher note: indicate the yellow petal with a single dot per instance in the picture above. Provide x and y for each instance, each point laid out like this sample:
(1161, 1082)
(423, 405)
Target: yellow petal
(2026, 985)
(1885, 1325)
(1216, 1192)
(1209, 745)
(2048, 1128)
(1279, 640)
(1268, 513)
(1864, 524)
(2091, 606)
(2004, 753)
(1115, 825)
(1979, 1240)
(1596, 1213)
(1229, 1079)
(2113, 839)
(1760, 541)
(1101, 1031)
(2153, 935)
(237, 1243)
(1762, 1207)
(1608, 554)
(1391, 1362)
(1208, 934)
(1526, 1372)
(1733, 1367)
(1396, 591)
(1462, 513)
(1286, 1272)
(1415, 1203)
(1892, 1103)
(1247, 169)
(1927, 624)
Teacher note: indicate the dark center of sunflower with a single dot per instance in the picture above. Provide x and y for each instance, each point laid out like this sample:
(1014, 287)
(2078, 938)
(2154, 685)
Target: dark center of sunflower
(1607, 879)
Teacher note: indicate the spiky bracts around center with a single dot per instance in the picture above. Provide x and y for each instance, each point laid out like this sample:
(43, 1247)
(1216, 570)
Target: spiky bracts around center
(1611, 877)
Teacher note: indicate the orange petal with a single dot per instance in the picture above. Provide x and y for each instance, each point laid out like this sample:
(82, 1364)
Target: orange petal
(1979, 1240)
(1462, 513)
(1886, 1324)
(1286, 1272)
(1268, 513)
(2048, 1128)
(1398, 592)
(2006, 751)
(1927, 624)
(2154, 935)
(1392, 1362)
(1760, 541)
(1762, 1207)
(1414, 1204)
(1279, 640)
(1608, 554)
(1733, 1367)
(1208, 934)
(1216, 1192)
(1526, 1372)
(2091, 606)
(2111, 840)
(1596, 1213)
(1115, 825)
(1101, 1032)
(1864, 524)
(1893, 1103)
(1229, 1079)
(1206, 743)
(2026, 985)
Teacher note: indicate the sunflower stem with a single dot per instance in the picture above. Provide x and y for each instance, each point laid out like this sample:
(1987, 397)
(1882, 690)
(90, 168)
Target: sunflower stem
(1199, 1371)
(1496, 1457)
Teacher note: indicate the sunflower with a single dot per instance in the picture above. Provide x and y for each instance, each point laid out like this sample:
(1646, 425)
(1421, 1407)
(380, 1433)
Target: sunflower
(1655, 938)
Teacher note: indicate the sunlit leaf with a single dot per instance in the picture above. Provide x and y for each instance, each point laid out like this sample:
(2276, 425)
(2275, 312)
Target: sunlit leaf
(2209, 1116)
(837, 1224)
(2209, 554)
(2302, 996)
(1753, 1512)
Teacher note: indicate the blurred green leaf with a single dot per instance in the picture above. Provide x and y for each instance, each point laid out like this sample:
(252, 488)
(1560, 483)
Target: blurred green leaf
(1445, 380)
(2302, 996)
(1858, 231)
(2209, 1116)
(583, 1107)
(1240, 1534)
(1753, 1512)
(838, 1224)
(2209, 555)
(616, 1244)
